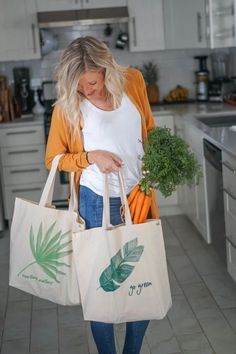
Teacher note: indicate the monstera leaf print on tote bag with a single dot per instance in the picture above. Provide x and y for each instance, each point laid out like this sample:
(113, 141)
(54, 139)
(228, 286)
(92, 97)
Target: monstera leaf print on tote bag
(41, 261)
(122, 270)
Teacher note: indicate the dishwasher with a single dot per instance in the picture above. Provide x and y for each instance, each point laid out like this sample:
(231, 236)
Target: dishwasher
(215, 197)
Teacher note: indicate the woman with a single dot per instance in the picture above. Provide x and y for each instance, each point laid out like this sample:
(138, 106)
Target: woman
(99, 120)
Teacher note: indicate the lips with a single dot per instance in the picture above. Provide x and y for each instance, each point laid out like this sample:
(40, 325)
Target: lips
(90, 93)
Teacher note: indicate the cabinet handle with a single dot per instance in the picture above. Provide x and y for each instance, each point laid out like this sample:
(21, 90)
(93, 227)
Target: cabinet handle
(22, 132)
(22, 152)
(199, 26)
(229, 193)
(33, 37)
(229, 166)
(25, 170)
(134, 30)
(26, 190)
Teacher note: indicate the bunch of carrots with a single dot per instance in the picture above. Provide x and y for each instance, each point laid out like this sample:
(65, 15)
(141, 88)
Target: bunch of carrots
(139, 204)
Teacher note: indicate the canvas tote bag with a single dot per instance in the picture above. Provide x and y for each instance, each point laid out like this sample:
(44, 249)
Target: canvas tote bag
(122, 270)
(41, 261)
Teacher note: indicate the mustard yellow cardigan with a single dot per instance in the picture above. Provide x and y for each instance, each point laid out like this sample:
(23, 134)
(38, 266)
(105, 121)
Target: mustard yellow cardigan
(61, 140)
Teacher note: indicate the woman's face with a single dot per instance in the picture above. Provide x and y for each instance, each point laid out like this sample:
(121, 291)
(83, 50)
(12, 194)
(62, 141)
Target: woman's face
(91, 84)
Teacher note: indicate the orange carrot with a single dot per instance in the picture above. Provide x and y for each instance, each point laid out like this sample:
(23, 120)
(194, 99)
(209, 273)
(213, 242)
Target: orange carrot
(145, 209)
(133, 193)
(138, 207)
(133, 205)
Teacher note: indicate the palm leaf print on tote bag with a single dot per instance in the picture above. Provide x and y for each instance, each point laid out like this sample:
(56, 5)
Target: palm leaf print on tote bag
(46, 251)
(122, 270)
(41, 257)
(119, 270)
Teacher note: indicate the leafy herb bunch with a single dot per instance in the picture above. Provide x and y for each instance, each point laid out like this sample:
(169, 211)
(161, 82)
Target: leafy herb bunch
(167, 162)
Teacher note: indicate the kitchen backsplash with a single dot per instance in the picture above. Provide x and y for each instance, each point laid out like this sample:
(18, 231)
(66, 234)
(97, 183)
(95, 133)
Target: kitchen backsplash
(175, 66)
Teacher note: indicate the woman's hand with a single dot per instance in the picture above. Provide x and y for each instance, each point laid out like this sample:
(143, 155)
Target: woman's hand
(105, 160)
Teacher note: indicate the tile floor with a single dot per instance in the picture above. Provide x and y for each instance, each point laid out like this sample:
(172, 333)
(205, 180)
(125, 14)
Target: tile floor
(201, 321)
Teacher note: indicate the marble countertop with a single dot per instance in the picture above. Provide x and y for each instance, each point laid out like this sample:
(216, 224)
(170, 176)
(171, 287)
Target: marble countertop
(223, 137)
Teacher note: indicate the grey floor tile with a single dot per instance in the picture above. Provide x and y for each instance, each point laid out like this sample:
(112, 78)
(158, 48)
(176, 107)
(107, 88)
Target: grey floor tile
(183, 269)
(18, 295)
(188, 236)
(72, 337)
(18, 346)
(3, 302)
(17, 324)
(44, 331)
(182, 318)
(194, 344)
(47, 352)
(174, 285)
(206, 261)
(230, 315)
(223, 288)
(70, 316)
(39, 304)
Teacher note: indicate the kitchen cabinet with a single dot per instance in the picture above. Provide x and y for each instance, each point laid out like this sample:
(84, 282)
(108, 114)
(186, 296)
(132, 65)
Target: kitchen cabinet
(58, 5)
(167, 205)
(221, 18)
(19, 35)
(185, 24)
(229, 185)
(146, 27)
(23, 174)
(193, 196)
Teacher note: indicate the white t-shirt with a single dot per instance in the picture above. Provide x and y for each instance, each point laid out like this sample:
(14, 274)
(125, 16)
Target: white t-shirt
(118, 131)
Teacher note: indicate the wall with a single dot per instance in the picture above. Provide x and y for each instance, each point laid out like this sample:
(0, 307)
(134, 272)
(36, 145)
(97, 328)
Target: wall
(175, 66)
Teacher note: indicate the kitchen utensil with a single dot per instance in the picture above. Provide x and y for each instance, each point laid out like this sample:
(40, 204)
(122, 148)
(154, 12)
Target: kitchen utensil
(220, 66)
(23, 93)
(122, 40)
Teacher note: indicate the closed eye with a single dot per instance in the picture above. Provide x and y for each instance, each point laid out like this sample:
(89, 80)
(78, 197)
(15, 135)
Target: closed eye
(92, 83)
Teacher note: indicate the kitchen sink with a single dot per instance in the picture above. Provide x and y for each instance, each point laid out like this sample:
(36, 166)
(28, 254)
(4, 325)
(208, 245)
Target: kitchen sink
(218, 121)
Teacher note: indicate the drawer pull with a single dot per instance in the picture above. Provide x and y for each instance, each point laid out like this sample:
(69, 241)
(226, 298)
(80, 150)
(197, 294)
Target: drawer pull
(229, 193)
(26, 190)
(22, 132)
(26, 170)
(21, 152)
(229, 166)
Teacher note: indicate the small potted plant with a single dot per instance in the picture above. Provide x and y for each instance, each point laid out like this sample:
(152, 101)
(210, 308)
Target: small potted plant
(150, 74)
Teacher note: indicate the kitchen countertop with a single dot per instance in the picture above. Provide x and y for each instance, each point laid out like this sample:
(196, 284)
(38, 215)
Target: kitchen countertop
(24, 121)
(223, 137)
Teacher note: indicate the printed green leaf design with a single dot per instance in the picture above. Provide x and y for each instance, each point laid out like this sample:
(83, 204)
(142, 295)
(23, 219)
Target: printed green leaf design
(119, 270)
(47, 249)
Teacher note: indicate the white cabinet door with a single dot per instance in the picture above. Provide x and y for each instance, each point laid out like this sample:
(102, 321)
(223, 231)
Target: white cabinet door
(185, 25)
(221, 23)
(168, 122)
(19, 38)
(89, 4)
(58, 5)
(195, 195)
(146, 28)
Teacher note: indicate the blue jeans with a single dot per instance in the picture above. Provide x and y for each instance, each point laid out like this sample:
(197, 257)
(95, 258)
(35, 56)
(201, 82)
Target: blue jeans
(91, 208)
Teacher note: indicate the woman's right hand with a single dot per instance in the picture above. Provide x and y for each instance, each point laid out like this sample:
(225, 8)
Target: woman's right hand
(105, 160)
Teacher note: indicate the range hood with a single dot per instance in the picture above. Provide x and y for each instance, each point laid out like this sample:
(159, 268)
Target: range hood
(83, 17)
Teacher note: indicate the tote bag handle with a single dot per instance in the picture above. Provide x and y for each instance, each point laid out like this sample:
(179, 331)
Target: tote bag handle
(106, 202)
(47, 194)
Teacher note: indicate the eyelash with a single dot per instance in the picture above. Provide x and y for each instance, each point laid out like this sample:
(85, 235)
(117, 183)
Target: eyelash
(94, 83)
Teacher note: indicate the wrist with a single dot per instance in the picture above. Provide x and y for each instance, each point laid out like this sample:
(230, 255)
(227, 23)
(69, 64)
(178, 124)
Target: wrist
(89, 158)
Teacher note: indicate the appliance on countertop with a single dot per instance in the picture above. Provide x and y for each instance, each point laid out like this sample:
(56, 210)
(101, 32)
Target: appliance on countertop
(86, 17)
(23, 92)
(215, 198)
(221, 85)
(202, 78)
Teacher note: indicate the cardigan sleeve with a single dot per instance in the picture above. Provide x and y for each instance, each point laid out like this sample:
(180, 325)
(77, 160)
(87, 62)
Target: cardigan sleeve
(150, 123)
(59, 142)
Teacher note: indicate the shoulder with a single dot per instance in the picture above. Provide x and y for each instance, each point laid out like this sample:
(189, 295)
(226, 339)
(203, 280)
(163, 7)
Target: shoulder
(133, 74)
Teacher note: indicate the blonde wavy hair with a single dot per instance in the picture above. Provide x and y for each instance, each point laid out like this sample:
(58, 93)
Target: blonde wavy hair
(82, 54)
